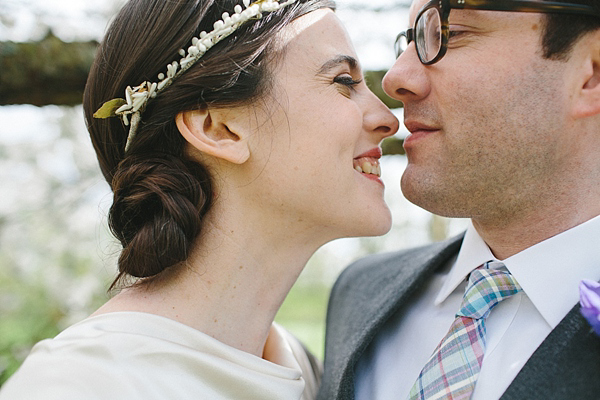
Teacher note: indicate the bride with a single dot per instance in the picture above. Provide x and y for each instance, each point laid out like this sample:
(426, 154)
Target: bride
(231, 162)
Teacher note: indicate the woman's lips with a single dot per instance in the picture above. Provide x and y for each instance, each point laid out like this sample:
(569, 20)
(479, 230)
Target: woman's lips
(373, 153)
(368, 164)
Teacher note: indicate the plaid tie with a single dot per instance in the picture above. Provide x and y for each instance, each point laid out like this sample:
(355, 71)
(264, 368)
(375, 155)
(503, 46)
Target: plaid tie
(452, 370)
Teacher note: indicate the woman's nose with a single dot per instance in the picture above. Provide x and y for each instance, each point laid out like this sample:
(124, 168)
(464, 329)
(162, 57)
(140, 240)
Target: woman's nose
(379, 119)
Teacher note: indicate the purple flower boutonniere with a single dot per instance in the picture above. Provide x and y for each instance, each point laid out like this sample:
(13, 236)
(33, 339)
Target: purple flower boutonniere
(589, 292)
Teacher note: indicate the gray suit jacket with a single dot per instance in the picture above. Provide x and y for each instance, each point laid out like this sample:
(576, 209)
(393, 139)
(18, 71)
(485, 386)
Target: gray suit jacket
(370, 291)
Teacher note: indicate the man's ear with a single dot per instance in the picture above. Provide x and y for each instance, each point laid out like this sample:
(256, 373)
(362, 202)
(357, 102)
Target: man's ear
(588, 103)
(210, 132)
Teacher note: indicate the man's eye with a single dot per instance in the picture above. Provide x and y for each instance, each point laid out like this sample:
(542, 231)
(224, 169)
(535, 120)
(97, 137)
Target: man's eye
(455, 32)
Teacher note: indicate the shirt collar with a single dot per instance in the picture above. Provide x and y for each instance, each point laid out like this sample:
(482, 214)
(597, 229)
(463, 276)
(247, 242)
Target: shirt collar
(549, 272)
(473, 253)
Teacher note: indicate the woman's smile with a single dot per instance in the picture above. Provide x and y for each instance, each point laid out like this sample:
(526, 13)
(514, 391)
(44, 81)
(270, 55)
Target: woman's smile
(368, 164)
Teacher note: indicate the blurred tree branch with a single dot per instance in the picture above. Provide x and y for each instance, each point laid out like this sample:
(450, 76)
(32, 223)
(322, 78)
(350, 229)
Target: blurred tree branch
(46, 72)
(54, 72)
(392, 146)
(374, 80)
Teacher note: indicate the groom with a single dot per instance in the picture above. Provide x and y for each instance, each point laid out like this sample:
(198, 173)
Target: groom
(504, 115)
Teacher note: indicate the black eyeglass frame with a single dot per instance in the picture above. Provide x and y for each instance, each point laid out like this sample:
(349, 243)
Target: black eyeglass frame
(443, 8)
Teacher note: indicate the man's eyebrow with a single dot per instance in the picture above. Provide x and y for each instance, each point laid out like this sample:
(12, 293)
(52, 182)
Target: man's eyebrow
(341, 59)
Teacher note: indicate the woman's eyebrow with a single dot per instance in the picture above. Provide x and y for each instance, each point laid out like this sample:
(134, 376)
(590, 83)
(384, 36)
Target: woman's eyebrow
(341, 59)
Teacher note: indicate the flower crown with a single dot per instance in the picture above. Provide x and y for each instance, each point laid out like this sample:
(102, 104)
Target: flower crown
(137, 98)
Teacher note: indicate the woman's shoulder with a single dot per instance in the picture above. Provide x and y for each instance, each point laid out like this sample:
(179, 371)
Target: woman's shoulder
(78, 363)
(142, 356)
(113, 355)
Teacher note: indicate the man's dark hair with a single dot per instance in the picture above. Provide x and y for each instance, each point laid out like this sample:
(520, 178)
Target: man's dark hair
(563, 30)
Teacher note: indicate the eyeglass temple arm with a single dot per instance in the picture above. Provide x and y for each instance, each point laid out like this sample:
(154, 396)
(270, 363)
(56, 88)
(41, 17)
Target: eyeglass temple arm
(410, 35)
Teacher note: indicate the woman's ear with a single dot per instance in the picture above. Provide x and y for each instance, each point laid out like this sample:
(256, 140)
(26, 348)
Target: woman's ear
(588, 103)
(209, 131)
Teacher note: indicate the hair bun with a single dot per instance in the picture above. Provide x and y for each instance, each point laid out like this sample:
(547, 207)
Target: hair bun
(159, 202)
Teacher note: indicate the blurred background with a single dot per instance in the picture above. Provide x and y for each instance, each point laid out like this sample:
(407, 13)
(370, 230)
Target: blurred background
(57, 257)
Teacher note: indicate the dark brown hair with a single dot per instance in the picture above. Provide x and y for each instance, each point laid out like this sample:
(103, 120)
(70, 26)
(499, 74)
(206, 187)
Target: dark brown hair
(561, 31)
(160, 194)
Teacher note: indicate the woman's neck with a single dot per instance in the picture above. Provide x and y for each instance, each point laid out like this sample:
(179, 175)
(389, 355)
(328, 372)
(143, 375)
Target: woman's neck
(232, 285)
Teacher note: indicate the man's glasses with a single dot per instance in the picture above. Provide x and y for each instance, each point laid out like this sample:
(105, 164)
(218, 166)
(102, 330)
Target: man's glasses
(431, 32)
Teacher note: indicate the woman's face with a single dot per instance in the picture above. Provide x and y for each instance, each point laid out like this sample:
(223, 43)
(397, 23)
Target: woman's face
(318, 129)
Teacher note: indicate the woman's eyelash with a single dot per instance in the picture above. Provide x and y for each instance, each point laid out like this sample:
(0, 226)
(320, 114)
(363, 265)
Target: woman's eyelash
(346, 80)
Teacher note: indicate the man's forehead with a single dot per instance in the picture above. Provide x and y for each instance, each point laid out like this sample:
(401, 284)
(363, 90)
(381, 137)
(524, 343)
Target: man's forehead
(470, 14)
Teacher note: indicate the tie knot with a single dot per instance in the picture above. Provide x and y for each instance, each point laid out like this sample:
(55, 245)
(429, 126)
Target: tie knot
(486, 288)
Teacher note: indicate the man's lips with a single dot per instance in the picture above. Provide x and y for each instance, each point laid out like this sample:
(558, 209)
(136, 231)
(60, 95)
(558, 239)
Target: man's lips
(417, 131)
(415, 126)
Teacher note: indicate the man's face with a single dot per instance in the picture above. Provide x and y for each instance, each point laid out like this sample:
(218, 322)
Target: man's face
(487, 120)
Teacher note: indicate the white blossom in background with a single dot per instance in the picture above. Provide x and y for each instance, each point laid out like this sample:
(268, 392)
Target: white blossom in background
(70, 20)
(53, 203)
(374, 32)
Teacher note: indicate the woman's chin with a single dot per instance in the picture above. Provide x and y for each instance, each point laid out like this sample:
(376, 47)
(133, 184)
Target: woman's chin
(381, 229)
(376, 225)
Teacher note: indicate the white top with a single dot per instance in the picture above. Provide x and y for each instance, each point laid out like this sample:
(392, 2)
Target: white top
(549, 273)
(139, 356)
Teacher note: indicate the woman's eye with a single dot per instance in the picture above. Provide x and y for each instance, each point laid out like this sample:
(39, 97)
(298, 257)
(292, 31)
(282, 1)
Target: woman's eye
(346, 80)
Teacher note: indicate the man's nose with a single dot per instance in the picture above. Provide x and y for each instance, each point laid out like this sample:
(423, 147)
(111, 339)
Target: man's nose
(407, 79)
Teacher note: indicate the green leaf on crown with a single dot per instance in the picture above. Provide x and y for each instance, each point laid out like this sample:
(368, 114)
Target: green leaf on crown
(108, 109)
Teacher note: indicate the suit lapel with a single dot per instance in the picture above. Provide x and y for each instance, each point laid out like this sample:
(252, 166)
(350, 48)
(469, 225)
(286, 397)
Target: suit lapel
(371, 291)
(401, 279)
(565, 366)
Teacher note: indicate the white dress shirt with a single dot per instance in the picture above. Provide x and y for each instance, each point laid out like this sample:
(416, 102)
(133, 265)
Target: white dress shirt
(549, 274)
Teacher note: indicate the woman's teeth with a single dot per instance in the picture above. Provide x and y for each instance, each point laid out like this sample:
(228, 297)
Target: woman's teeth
(368, 167)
